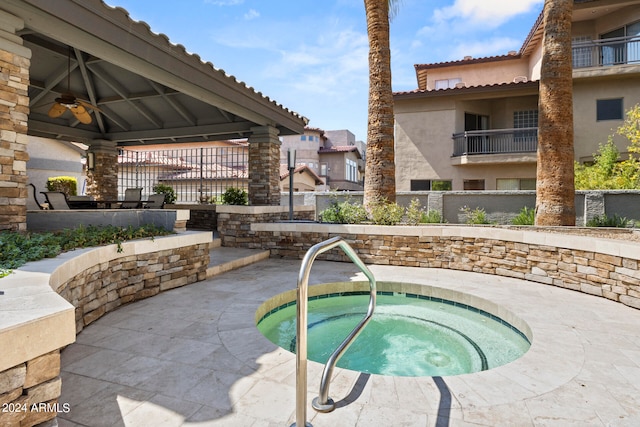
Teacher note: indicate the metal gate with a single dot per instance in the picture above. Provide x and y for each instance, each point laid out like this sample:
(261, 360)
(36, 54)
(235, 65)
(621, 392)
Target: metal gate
(197, 175)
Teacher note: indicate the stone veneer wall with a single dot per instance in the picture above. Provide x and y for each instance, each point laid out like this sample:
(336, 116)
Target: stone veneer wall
(15, 60)
(604, 267)
(95, 281)
(201, 216)
(106, 286)
(234, 222)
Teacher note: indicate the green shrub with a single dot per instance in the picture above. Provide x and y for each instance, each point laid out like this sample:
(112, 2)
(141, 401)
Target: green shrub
(414, 212)
(167, 190)
(432, 217)
(345, 212)
(235, 196)
(66, 184)
(17, 249)
(475, 216)
(614, 221)
(525, 217)
(385, 213)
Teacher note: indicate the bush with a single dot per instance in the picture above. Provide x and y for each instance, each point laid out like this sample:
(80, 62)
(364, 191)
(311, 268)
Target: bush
(475, 216)
(66, 184)
(344, 212)
(167, 190)
(414, 212)
(605, 221)
(235, 196)
(525, 217)
(432, 217)
(385, 213)
(17, 249)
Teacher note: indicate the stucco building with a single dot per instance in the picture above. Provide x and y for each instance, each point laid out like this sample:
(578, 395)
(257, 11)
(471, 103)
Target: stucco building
(471, 124)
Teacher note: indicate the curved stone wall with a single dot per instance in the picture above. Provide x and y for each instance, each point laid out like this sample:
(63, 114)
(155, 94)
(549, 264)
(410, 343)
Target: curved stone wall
(592, 264)
(46, 303)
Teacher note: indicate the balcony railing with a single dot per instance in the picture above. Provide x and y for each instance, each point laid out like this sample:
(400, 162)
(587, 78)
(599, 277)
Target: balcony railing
(497, 141)
(606, 52)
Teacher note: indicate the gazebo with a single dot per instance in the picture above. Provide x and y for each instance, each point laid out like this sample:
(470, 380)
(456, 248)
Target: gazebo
(86, 72)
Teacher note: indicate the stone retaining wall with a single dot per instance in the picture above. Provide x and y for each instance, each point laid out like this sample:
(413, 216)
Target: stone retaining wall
(234, 222)
(604, 267)
(107, 285)
(35, 322)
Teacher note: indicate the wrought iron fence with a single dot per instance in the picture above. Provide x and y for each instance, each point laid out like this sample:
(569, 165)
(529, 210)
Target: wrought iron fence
(195, 174)
(496, 141)
(606, 52)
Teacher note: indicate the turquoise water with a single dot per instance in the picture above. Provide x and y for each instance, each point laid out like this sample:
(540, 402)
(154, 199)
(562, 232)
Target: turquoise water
(407, 336)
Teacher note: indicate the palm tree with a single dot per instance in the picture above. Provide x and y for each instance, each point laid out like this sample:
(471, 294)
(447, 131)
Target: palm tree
(380, 171)
(555, 193)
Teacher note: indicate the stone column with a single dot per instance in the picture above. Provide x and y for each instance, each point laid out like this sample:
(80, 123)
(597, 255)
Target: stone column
(264, 166)
(102, 179)
(15, 60)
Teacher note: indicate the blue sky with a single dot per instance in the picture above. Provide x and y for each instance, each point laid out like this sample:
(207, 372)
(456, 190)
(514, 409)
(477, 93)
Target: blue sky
(311, 55)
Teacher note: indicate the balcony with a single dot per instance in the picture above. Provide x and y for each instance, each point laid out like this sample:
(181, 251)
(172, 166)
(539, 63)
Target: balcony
(606, 52)
(495, 147)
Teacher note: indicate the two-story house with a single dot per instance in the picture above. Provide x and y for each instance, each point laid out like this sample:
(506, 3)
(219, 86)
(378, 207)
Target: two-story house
(334, 155)
(472, 124)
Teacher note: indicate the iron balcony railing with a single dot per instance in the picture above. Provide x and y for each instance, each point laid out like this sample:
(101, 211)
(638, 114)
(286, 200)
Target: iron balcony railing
(606, 52)
(495, 141)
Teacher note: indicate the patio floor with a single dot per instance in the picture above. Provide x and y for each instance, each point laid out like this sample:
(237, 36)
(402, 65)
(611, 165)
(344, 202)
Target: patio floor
(193, 357)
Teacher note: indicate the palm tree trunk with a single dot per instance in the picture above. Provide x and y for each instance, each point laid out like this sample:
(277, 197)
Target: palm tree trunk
(379, 182)
(555, 192)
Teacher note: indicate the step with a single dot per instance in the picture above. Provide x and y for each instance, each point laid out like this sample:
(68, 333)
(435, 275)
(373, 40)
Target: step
(223, 259)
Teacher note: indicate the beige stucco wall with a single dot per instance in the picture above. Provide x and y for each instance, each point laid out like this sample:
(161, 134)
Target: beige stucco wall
(590, 133)
(424, 128)
(48, 158)
(478, 74)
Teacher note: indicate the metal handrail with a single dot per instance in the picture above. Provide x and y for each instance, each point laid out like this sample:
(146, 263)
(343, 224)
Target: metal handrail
(322, 403)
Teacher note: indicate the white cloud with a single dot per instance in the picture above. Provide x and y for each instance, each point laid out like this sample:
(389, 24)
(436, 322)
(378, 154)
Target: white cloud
(251, 14)
(491, 13)
(485, 47)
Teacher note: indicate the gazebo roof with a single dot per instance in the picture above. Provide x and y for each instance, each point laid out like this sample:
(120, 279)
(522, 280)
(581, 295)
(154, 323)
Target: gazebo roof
(146, 89)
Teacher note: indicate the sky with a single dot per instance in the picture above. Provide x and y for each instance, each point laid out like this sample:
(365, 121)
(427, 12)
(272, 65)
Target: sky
(311, 56)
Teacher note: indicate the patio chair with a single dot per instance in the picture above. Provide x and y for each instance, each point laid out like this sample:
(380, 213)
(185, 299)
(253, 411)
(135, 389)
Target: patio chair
(56, 200)
(156, 201)
(32, 200)
(132, 198)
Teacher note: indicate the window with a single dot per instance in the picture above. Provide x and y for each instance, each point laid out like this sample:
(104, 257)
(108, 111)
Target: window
(473, 184)
(516, 184)
(323, 169)
(430, 185)
(609, 109)
(303, 137)
(581, 51)
(351, 172)
(525, 140)
(623, 48)
(447, 83)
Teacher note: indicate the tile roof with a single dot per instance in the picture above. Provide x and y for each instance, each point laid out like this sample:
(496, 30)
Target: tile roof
(338, 149)
(431, 92)
(284, 172)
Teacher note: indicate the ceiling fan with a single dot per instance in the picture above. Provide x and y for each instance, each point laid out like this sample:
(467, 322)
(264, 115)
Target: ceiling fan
(68, 101)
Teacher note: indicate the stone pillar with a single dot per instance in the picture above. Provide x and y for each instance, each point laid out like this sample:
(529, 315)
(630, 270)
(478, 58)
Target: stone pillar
(594, 206)
(15, 60)
(264, 166)
(102, 179)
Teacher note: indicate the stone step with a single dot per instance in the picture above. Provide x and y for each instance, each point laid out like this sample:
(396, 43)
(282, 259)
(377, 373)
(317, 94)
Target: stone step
(223, 259)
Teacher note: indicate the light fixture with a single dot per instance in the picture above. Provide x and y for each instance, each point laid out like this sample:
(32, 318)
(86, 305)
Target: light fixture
(91, 160)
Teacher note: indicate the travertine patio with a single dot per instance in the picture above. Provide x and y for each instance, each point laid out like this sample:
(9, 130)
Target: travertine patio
(193, 357)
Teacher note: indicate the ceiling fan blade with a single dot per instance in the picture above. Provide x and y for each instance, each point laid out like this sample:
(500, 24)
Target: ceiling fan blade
(81, 114)
(56, 110)
(87, 105)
